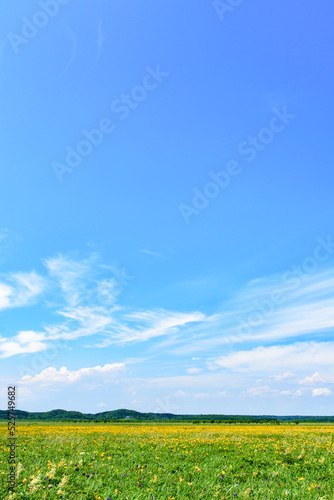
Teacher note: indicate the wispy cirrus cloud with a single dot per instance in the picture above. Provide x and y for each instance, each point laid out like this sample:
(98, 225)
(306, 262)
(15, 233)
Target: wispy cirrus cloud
(303, 307)
(141, 326)
(85, 302)
(100, 40)
(153, 254)
(311, 380)
(21, 289)
(300, 355)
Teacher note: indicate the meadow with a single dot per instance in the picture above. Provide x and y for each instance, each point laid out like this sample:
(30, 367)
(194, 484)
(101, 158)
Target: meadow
(169, 461)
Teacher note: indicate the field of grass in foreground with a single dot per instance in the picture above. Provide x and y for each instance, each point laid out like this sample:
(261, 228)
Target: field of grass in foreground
(170, 462)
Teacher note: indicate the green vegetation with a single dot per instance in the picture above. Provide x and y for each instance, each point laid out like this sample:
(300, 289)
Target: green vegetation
(135, 416)
(163, 461)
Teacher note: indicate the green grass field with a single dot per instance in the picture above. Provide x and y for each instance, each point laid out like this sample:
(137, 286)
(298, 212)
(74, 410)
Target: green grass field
(170, 461)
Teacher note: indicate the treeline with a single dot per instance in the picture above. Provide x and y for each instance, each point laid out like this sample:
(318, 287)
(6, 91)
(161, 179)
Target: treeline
(135, 416)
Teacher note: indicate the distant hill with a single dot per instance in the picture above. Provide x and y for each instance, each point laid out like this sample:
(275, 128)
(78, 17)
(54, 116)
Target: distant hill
(132, 415)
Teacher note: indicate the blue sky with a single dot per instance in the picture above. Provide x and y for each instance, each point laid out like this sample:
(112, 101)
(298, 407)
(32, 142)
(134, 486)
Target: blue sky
(166, 231)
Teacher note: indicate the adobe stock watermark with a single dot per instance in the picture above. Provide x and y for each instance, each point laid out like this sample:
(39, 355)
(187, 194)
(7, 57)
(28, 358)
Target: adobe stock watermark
(30, 27)
(225, 7)
(122, 108)
(250, 148)
(291, 280)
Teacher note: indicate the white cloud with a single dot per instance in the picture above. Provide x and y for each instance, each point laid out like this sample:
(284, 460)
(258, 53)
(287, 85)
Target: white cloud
(299, 355)
(259, 390)
(150, 324)
(266, 310)
(27, 287)
(201, 395)
(29, 336)
(102, 404)
(205, 395)
(88, 305)
(289, 393)
(322, 391)
(194, 370)
(5, 294)
(311, 380)
(28, 342)
(220, 394)
(283, 376)
(71, 275)
(21, 290)
(63, 375)
(153, 254)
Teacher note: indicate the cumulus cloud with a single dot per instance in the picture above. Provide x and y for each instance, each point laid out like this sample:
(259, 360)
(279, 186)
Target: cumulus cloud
(312, 380)
(64, 376)
(321, 391)
(86, 303)
(28, 342)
